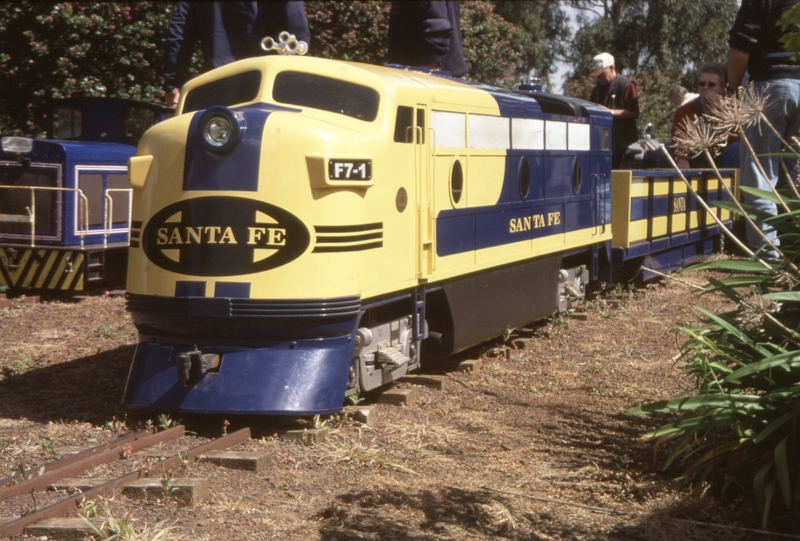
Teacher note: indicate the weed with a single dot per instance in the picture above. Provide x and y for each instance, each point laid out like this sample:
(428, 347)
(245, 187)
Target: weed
(164, 421)
(4, 445)
(628, 350)
(115, 425)
(559, 319)
(317, 422)
(508, 334)
(113, 529)
(359, 454)
(90, 509)
(115, 332)
(48, 445)
(354, 399)
(167, 488)
(183, 458)
(599, 307)
(23, 363)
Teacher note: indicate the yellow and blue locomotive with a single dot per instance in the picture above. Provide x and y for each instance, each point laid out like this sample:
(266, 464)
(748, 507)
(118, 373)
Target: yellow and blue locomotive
(306, 229)
(65, 200)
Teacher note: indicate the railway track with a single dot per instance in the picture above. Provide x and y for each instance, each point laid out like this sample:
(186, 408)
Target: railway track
(37, 480)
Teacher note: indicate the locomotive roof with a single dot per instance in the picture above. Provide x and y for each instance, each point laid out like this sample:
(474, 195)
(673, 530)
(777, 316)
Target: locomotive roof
(394, 81)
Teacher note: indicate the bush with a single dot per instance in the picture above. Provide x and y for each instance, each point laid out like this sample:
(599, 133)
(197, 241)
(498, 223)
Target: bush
(739, 427)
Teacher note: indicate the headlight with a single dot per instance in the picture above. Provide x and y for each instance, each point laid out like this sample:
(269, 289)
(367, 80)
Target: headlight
(217, 131)
(221, 129)
(17, 144)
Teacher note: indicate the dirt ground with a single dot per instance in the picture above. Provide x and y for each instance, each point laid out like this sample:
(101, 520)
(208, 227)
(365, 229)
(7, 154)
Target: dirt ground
(538, 446)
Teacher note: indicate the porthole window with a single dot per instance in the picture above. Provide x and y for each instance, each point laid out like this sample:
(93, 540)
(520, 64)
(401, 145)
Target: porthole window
(576, 177)
(524, 179)
(456, 182)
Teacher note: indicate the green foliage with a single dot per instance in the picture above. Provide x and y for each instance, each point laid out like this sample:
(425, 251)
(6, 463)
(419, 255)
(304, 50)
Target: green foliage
(741, 423)
(790, 24)
(56, 50)
(541, 34)
(164, 421)
(489, 51)
(652, 35)
(48, 445)
(24, 362)
(354, 31)
(111, 528)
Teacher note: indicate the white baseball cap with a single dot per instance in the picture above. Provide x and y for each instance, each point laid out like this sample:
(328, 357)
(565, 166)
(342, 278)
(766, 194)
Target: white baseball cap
(601, 62)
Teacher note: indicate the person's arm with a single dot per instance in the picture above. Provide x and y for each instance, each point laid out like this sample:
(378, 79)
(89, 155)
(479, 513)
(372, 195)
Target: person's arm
(737, 66)
(175, 54)
(744, 37)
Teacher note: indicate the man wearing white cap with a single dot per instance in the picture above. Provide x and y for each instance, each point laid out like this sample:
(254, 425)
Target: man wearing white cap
(619, 95)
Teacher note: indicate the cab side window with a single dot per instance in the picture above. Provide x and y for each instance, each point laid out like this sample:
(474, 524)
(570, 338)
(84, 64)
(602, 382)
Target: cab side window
(404, 124)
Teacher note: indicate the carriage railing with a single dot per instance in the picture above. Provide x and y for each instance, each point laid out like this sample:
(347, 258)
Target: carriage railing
(109, 212)
(83, 210)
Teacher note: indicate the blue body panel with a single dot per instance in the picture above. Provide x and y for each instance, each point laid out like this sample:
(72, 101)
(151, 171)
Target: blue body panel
(302, 377)
(552, 189)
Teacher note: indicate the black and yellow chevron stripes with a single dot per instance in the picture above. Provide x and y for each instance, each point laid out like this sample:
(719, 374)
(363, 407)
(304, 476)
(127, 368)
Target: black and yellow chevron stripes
(41, 268)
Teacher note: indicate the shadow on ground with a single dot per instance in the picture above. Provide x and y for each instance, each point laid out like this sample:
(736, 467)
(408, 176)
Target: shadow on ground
(444, 514)
(88, 389)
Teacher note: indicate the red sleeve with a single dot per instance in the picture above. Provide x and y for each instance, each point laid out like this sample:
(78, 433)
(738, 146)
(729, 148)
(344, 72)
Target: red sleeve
(631, 98)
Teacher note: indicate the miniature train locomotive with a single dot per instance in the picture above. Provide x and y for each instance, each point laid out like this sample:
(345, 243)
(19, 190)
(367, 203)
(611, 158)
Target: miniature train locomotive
(306, 229)
(65, 200)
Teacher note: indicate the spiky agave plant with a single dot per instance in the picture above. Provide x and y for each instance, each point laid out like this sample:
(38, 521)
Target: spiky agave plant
(740, 426)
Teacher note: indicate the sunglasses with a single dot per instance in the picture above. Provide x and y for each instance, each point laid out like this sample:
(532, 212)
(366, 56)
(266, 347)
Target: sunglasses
(709, 84)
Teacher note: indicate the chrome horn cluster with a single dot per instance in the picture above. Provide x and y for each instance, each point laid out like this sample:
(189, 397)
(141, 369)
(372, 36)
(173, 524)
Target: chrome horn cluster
(287, 44)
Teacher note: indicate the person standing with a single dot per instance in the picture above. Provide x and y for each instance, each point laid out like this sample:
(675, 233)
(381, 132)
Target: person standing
(755, 47)
(226, 31)
(427, 34)
(619, 95)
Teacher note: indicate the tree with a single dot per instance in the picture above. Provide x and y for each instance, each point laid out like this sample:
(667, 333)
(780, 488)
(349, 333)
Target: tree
(657, 43)
(55, 50)
(542, 31)
(354, 31)
(71, 48)
(654, 35)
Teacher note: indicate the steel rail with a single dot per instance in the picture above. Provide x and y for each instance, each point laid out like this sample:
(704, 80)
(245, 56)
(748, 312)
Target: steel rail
(17, 527)
(85, 463)
(113, 444)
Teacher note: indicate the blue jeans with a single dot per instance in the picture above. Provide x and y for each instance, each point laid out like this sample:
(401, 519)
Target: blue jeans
(783, 112)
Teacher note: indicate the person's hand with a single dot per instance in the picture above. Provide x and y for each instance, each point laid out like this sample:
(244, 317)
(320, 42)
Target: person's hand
(683, 163)
(172, 96)
(711, 97)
